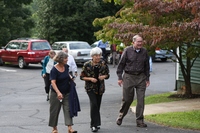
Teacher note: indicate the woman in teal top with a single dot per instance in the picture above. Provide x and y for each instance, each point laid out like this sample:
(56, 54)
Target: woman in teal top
(46, 68)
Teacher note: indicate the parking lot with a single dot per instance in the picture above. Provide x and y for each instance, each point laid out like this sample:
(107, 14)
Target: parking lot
(24, 109)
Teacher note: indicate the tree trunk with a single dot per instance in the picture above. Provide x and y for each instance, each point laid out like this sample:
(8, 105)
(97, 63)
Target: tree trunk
(186, 72)
(188, 86)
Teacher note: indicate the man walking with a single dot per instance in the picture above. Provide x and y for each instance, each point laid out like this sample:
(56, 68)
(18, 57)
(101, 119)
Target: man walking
(72, 64)
(103, 46)
(114, 54)
(134, 63)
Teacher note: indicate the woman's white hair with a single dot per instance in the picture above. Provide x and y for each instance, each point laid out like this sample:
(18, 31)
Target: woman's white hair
(95, 51)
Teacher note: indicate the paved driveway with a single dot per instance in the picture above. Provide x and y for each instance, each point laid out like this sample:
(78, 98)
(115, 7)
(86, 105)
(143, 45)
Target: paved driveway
(24, 109)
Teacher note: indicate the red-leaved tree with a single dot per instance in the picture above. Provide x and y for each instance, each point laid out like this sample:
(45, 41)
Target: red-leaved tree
(168, 24)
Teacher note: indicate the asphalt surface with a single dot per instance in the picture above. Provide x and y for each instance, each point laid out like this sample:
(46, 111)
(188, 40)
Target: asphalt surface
(24, 109)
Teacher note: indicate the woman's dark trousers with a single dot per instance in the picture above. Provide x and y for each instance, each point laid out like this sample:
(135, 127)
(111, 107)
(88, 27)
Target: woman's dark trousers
(95, 103)
(47, 82)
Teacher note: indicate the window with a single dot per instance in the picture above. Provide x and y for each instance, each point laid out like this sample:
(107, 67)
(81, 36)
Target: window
(13, 45)
(24, 45)
(40, 46)
(79, 46)
(59, 46)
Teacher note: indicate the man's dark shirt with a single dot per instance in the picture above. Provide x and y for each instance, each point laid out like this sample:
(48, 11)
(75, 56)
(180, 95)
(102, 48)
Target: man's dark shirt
(133, 62)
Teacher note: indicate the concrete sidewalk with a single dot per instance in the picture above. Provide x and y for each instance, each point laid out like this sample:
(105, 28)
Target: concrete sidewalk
(176, 106)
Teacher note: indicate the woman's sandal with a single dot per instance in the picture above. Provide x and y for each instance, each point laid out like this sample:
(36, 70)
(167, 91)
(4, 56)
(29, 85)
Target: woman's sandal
(55, 131)
(72, 131)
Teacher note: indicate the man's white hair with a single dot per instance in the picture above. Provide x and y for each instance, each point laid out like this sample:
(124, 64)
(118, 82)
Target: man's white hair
(96, 51)
(135, 37)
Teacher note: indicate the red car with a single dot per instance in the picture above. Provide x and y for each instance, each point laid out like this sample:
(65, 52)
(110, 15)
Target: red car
(24, 51)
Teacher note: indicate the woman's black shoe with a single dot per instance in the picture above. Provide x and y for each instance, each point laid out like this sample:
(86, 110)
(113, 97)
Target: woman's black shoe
(47, 97)
(94, 129)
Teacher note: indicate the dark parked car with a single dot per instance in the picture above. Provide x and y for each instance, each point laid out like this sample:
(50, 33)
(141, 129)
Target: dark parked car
(163, 55)
(24, 51)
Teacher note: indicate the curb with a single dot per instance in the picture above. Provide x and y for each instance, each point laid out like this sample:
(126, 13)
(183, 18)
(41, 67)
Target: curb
(176, 106)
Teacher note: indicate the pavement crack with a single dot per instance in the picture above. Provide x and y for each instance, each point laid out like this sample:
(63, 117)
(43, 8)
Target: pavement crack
(34, 115)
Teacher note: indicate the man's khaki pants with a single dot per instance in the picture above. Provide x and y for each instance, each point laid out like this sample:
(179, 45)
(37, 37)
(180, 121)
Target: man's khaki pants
(132, 83)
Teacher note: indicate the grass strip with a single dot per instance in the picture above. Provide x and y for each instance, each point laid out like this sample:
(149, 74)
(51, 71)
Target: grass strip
(159, 98)
(184, 120)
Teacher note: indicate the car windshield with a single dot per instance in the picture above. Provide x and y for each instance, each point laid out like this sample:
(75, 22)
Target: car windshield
(40, 46)
(79, 46)
(57, 46)
(93, 45)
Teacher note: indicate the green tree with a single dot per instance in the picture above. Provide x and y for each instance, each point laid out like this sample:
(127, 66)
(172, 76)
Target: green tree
(71, 19)
(168, 24)
(15, 20)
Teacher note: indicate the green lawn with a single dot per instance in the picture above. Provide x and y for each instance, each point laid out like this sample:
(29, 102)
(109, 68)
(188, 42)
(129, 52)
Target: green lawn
(185, 120)
(159, 98)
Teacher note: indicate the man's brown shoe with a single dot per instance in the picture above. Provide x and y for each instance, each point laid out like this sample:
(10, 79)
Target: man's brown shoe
(119, 121)
(141, 125)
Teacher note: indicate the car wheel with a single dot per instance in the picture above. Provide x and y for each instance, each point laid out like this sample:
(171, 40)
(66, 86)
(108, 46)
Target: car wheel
(163, 59)
(21, 63)
(1, 62)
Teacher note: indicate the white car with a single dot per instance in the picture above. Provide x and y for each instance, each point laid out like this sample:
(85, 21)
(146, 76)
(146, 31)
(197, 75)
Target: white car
(80, 50)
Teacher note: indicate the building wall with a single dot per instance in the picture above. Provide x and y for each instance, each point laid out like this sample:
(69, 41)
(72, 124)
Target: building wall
(195, 78)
